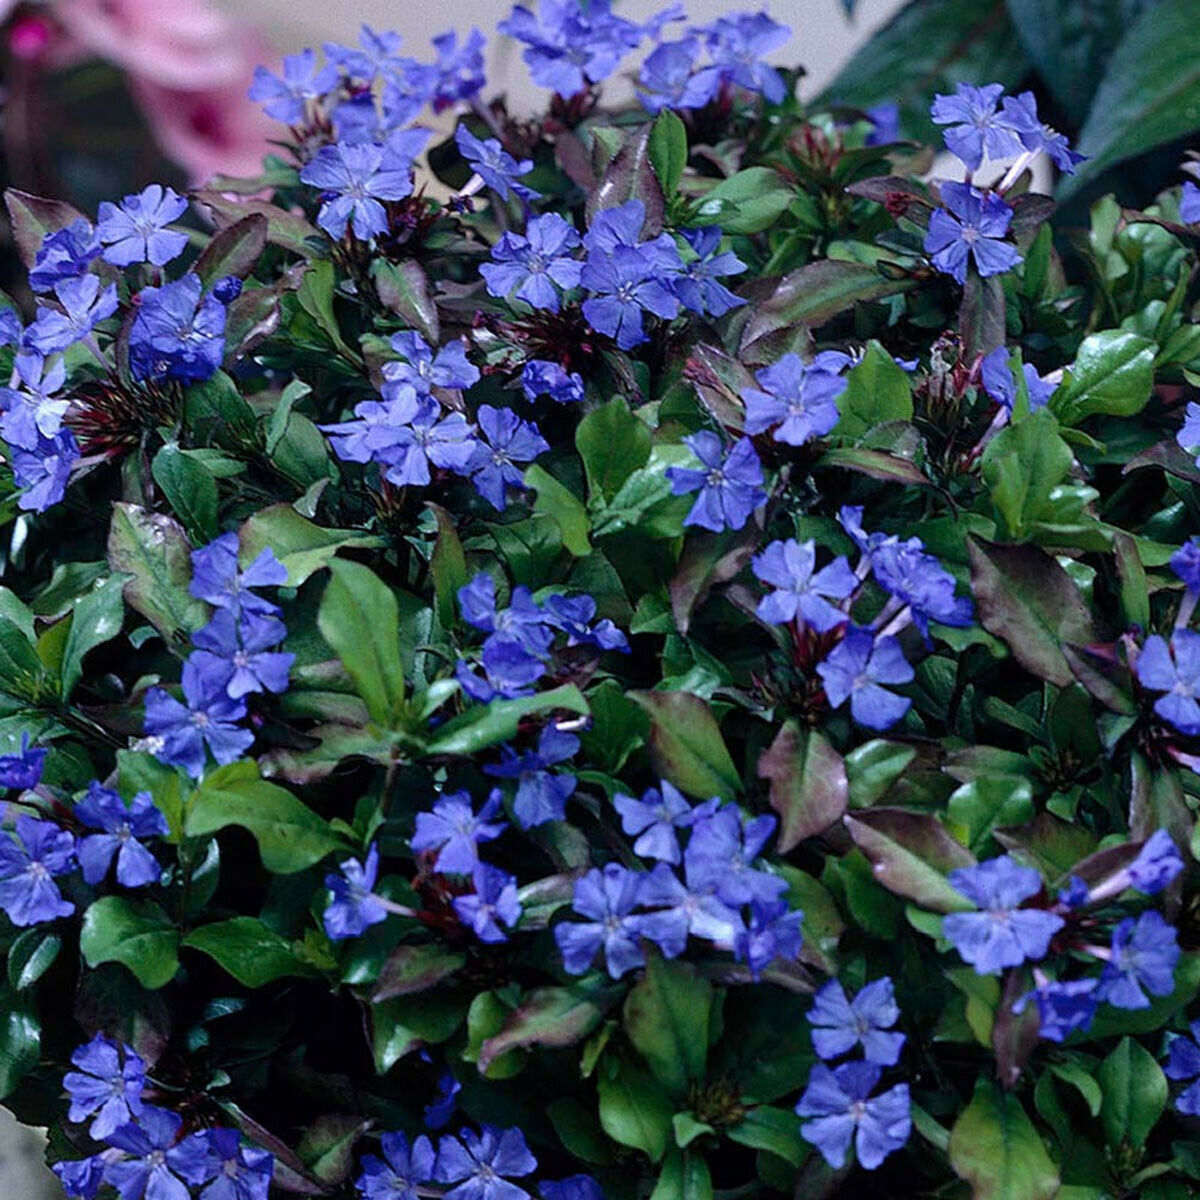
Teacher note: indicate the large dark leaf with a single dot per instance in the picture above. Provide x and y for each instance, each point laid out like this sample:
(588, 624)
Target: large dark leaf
(808, 784)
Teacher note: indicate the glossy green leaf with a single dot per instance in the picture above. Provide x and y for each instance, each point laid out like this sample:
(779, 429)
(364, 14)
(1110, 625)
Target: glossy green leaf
(252, 953)
(808, 786)
(1112, 374)
(686, 745)
(303, 547)
(634, 1110)
(667, 1015)
(747, 202)
(877, 390)
(135, 933)
(613, 444)
(190, 489)
(482, 726)
(547, 1017)
(1134, 1091)
(1021, 467)
(560, 503)
(668, 150)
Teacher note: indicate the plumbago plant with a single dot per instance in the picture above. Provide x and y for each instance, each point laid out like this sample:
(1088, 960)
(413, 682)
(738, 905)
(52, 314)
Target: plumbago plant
(669, 672)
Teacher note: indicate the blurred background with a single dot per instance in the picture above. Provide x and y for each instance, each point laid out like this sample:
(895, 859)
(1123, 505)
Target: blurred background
(100, 97)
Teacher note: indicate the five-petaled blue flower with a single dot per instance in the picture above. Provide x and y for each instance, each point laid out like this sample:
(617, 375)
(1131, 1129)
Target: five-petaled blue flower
(480, 1165)
(285, 96)
(608, 897)
(668, 78)
(541, 796)
(1142, 959)
(215, 1161)
(28, 864)
(150, 1171)
(234, 653)
(698, 285)
(773, 931)
(839, 1107)
(721, 853)
(353, 907)
(83, 303)
(1174, 669)
(455, 830)
(494, 165)
(23, 769)
(858, 668)
(493, 903)
(64, 254)
(122, 829)
(1001, 934)
(975, 124)
(355, 180)
(217, 578)
(44, 471)
(730, 485)
(535, 266)
(655, 818)
(540, 377)
(507, 440)
(971, 226)
(106, 1085)
(801, 592)
(457, 72)
(135, 231)
(178, 333)
(33, 408)
(840, 1023)
(403, 1168)
(1183, 1062)
(421, 369)
(738, 45)
(1022, 116)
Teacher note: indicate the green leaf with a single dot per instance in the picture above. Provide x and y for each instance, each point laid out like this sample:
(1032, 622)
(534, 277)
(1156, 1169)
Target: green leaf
(135, 933)
(234, 251)
(1112, 374)
(630, 176)
(22, 672)
(216, 412)
(613, 444)
(98, 617)
(315, 295)
(486, 725)
(996, 1149)
(812, 294)
(290, 835)
(873, 768)
(552, 1017)
(403, 288)
(32, 218)
(284, 228)
(877, 390)
(1134, 1091)
(635, 1111)
(746, 202)
(667, 1015)
(448, 566)
(668, 150)
(360, 619)
(412, 969)
(808, 784)
(405, 1024)
(20, 1044)
(1021, 467)
(302, 547)
(773, 1129)
(686, 746)
(251, 952)
(981, 805)
(684, 1176)
(1149, 93)
(563, 506)
(31, 956)
(1028, 600)
(154, 552)
(911, 854)
(645, 501)
(327, 1146)
(190, 489)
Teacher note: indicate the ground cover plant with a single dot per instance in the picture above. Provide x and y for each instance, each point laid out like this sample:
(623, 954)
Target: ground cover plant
(667, 671)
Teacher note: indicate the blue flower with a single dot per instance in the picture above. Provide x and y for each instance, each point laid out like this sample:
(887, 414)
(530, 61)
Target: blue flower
(135, 231)
(150, 1171)
(772, 932)
(608, 897)
(542, 378)
(915, 578)
(430, 439)
(494, 165)
(1157, 864)
(690, 907)
(494, 901)
(423, 370)
(33, 410)
(972, 225)
(730, 485)
(106, 1085)
(1143, 957)
(1188, 436)
(376, 55)
(509, 670)
(612, 228)
(178, 333)
(1021, 115)
(455, 830)
(231, 1171)
(574, 1187)
(217, 578)
(669, 79)
(802, 593)
(44, 471)
(354, 180)
(738, 45)
(976, 125)
(122, 828)
(1174, 669)
(1183, 1062)
(285, 97)
(842, 1108)
(509, 440)
(999, 383)
(1185, 562)
(625, 283)
(839, 1023)
(698, 286)
(654, 819)
(568, 46)
(522, 620)
(1189, 204)
(533, 267)
(457, 73)
(576, 617)
(1062, 1007)
(83, 303)
(402, 1170)
(82, 1178)
(437, 1115)
(1002, 934)
(885, 124)
(857, 669)
(23, 769)
(28, 864)
(800, 399)
(234, 654)
(480, 1165)
(64, 254)
(541, 796)
(11, 329)
(720, 854)
(353, 907)
(207, 717)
